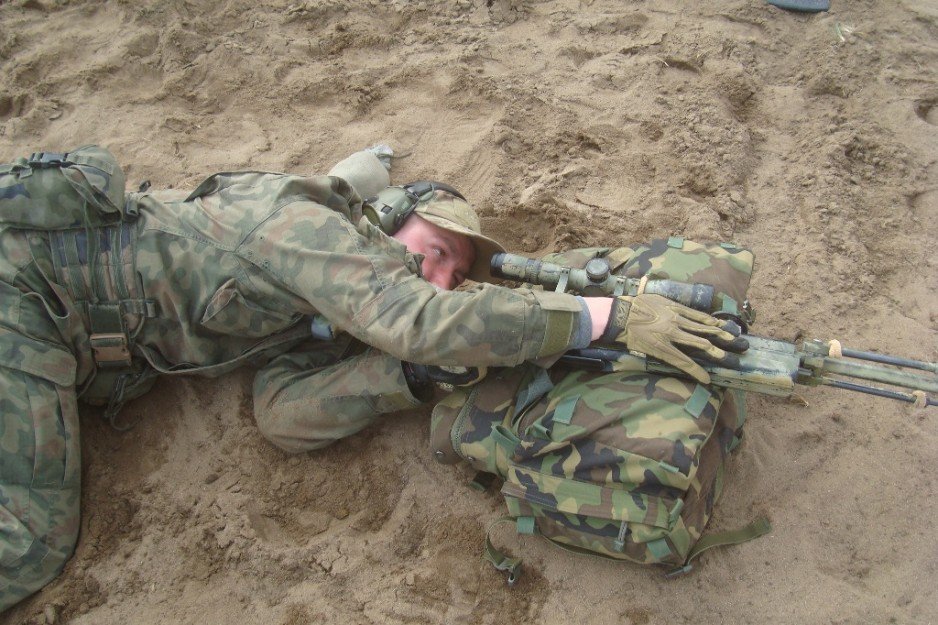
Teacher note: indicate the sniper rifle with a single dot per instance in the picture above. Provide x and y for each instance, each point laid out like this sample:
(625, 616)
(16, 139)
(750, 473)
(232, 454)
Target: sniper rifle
(770, 366)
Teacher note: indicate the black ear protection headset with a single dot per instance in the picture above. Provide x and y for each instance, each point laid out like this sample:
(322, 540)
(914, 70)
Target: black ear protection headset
(392, 206)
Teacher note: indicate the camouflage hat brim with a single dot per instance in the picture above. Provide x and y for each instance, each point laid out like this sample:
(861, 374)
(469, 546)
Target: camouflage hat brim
(484, 246)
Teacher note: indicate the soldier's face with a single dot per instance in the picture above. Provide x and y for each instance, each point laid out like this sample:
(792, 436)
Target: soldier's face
(448, 256)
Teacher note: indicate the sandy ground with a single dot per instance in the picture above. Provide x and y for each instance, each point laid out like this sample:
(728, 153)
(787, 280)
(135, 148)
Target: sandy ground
(812, 139)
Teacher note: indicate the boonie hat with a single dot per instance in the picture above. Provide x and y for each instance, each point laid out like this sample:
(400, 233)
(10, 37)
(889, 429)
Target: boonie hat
(456, 215)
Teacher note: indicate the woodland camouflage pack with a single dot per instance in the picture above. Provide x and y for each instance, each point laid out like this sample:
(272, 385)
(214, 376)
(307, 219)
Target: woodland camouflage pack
(625, 465)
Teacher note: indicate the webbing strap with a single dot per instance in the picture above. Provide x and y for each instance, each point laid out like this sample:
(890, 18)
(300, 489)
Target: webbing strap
(48, 159)
(538, 430)
(108, 338)
(698, 401)
(759, 527)
(526, 525)
(499, 560)
(505, 438)
(660, 548)
(563, 413)
(115, 257)
(68, 248)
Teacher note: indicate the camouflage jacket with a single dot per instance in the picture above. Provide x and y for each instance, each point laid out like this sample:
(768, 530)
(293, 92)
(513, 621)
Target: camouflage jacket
(236, 268)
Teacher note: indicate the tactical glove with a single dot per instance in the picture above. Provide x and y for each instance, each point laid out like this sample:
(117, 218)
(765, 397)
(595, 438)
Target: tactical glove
(672, 333)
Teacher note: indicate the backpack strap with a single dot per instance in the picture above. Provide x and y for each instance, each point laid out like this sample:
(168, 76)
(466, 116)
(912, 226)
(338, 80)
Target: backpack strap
(43, 160)
(759, 527)
(501, 562)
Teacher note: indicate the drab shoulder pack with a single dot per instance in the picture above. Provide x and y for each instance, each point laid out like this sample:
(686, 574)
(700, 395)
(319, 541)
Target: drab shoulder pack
(625, 465)
(58, 191)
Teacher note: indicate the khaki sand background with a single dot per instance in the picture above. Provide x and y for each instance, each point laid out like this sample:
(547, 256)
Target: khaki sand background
(812, 139)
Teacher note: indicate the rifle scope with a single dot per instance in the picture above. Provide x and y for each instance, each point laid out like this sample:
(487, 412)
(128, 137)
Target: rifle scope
(597, 280)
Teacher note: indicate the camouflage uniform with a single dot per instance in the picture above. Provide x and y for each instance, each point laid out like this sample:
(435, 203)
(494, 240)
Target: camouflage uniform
(203, 284)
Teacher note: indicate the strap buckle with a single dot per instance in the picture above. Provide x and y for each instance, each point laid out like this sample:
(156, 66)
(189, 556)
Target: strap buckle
(110, 350)
(48, 159)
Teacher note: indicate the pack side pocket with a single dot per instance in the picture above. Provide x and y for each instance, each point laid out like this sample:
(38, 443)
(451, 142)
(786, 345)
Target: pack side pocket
(649, 513)
(624, 423)
(588, 518)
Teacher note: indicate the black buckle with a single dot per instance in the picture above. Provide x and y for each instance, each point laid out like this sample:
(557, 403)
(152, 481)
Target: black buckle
(48, 159)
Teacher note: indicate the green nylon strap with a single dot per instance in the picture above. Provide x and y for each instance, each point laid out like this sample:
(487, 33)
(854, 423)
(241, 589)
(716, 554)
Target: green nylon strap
(525, 525)
(563, 413)
(69, 248)
(505, 438)
(698, 401)
(659, 549)
(117, 382)
(675, 511)
(143, 307)
(93, 240)
(759, 527)
(499, 560)
(114, 260)
(676, 242)
(538, 430)
(105, 318)
(732, 247)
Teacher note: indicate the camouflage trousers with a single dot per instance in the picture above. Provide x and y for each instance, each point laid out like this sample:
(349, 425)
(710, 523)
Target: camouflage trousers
(306, 399)
(40, 481)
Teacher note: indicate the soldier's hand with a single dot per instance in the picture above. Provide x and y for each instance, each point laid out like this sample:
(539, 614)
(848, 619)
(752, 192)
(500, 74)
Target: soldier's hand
(663, 329)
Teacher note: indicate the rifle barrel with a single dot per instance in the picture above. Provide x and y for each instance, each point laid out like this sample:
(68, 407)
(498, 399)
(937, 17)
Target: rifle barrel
(891, 360)
(873, 373)
(879, 392)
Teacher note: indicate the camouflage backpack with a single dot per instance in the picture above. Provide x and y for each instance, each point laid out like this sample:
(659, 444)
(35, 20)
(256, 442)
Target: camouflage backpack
(57, 191)
(625, 465)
